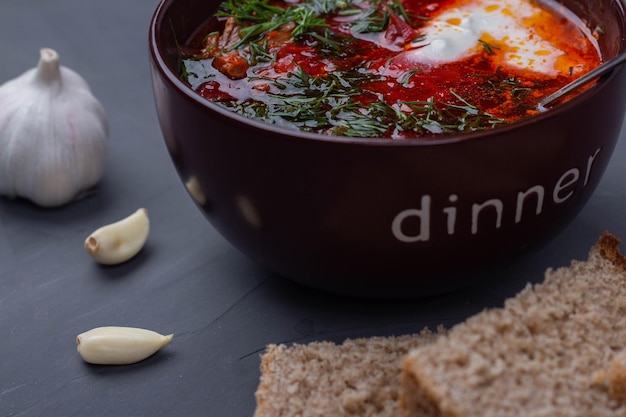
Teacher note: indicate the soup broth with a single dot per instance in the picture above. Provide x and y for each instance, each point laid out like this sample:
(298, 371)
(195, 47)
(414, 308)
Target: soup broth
(388, 68)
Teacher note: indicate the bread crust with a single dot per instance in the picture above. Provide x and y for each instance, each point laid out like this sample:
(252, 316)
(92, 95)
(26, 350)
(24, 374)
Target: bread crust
(533, 357)
(608, 248)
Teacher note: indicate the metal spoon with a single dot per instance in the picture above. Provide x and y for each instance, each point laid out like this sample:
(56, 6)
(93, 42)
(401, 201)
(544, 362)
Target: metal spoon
(584, 80)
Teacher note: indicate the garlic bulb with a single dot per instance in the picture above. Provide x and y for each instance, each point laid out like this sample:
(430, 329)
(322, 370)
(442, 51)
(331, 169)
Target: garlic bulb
(53, 134)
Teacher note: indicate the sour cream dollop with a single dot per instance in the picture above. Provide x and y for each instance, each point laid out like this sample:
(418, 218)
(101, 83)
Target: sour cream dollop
(507, 26)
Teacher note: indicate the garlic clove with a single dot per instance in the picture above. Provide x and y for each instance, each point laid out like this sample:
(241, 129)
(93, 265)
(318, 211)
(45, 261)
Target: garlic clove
(53, 134)
(113, 345)
(120, 241)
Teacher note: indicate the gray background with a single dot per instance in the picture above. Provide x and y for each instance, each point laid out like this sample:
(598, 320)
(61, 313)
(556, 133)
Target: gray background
(222, 307)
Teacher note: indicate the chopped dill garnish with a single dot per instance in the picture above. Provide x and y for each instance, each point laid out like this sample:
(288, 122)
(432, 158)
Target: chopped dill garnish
(195, 72)
(249, 11)
(258, 17)
(376, 19)
(259, 52)
(372, 21)
(500, 83)
(419, 38)
(398, 7)
(332, 105)
(405, 78)
(487, 47)
(326, 7)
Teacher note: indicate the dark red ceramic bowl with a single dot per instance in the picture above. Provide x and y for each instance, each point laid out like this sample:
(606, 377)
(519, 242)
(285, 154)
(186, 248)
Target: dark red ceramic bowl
(383, 218)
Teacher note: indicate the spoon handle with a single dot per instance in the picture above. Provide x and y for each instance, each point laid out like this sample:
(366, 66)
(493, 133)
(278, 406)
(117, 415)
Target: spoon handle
(584, 80)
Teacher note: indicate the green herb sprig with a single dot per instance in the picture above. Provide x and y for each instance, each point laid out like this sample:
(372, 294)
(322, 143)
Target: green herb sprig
(258, 17)
(500, 83)
(487, 47)
(331, 104)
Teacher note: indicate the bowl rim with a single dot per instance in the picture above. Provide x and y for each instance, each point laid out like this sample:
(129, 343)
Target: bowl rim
(158, 62)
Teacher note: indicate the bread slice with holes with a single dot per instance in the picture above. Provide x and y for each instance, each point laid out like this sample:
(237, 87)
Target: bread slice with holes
(538, 356)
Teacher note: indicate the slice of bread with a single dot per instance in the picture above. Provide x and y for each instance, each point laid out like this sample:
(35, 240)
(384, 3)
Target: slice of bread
(537, 356)
(359, 377)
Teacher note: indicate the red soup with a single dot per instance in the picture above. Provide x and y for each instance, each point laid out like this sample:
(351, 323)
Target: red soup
(388, 68)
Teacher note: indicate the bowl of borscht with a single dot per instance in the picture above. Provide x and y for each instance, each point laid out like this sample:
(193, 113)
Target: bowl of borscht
(387, 148)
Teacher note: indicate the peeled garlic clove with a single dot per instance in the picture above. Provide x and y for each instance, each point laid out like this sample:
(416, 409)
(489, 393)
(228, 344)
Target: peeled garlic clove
(53, 134)
(114, 345)
(118, 242)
